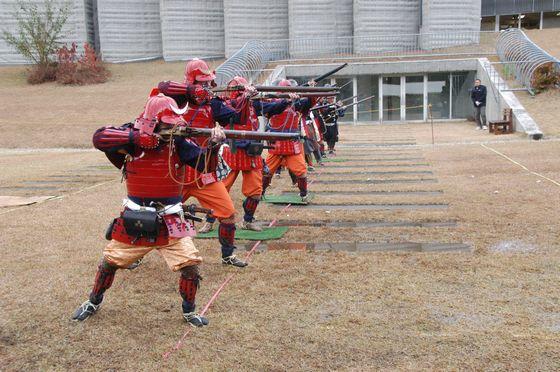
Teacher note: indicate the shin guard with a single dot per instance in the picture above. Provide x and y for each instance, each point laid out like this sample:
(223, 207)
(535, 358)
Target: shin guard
(103, 281)
(266, 180)
(226, 236)
(249, 207)
(302, 185)
(188, 285)
(294, 178)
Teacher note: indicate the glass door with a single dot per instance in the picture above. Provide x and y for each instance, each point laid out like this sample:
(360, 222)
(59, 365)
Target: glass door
(391, 98)
(414, 90)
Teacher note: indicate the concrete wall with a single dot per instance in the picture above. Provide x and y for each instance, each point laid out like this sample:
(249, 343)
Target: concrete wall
(385, 17)
(332, 19)
(74, 30)
(192, 28)
(452, 19)
(246, 20)
(497, 100)
(129, 29)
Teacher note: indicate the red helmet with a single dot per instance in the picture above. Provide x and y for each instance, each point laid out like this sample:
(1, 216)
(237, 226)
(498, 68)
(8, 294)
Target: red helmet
(238, 80)
(198, 70)
(159, 107)
(284, 83)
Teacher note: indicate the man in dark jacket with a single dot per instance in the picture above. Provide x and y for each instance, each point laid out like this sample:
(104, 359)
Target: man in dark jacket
(478, 96)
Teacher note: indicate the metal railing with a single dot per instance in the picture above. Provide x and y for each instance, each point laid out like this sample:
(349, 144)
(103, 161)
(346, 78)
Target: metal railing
(507, 7)
(383, 46)
(523, 58)
(250, 60)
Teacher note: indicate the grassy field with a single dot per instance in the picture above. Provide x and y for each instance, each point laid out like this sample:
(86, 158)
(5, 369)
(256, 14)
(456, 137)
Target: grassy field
(494, 307)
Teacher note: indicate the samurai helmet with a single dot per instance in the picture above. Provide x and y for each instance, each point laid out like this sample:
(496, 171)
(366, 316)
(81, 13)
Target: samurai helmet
(237, 80)
(197, 70)
(158, 107)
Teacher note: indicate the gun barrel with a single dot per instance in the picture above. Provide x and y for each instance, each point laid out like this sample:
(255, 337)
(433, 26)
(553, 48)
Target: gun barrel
(329, 73)
(303, 95)
(270, 88)
(231, 134)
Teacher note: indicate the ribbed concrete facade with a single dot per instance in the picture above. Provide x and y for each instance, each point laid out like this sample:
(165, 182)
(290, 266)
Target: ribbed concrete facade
(316, 20)
(447, 17)
(75, 28)
(385, 17)
(192, 28)
(129, 29)
(182, 29)
(246, 20)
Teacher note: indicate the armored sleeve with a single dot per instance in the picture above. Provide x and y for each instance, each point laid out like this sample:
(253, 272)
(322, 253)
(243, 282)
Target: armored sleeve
(195, 156)
(270, 108)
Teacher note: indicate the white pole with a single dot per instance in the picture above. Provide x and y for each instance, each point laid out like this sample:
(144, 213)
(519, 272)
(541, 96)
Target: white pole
(497, 25)
(380, 99)
(541, 21)
(355, 93)
(519, 21)
(403, 98)
(425, 113)
(450, 96)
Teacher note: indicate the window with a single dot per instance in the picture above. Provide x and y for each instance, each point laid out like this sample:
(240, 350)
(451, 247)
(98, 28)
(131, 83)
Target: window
(438, 95)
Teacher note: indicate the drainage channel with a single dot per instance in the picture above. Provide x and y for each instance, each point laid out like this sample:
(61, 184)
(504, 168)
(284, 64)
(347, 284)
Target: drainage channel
(365, 207)
(373, 173)
(358, 224)
(351, 182)
(365, 247)
(373, 160)
(373, 193)
(397, 165)
(377, 144)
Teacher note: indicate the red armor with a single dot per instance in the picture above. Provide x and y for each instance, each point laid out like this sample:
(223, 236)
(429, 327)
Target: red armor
(147, 176)
(240, 160)
(199, 117)
(287, 121)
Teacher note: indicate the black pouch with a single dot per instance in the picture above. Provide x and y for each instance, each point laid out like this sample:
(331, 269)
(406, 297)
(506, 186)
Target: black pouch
(254, 149)
(109, 231)
(141, 223)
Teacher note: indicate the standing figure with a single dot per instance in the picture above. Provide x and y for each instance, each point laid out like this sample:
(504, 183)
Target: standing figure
(204, 111)
(478, 96)
(244, 155)
(289, 153)
(153, 217)
(329, 117)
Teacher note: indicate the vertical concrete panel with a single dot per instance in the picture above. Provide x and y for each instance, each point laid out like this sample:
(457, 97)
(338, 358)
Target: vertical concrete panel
(450, 23)
(192, 28)
(129, 29)
(246, 20)
(328, 23)
(385, 25)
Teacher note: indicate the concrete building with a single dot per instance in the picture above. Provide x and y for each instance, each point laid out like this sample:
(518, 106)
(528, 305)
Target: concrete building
(181, 29)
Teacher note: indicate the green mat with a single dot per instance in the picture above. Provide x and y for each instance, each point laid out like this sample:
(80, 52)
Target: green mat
(287, 198)
(334, 160)
(268, 233)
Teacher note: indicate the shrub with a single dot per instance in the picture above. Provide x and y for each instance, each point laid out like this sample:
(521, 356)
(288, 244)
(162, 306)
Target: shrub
(84, 69)
(545, 77)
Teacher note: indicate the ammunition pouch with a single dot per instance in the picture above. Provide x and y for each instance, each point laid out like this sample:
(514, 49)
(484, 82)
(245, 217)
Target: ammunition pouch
(141, 223)
(109, 231)
(254, 149)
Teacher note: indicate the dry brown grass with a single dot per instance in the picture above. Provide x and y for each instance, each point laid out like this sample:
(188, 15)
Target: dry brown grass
(50, 115)
(494, 308)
